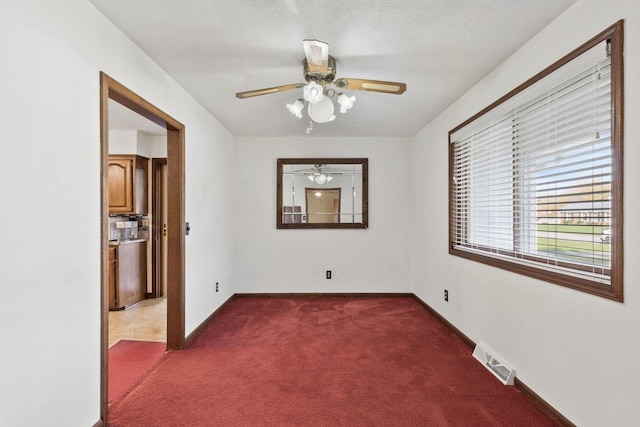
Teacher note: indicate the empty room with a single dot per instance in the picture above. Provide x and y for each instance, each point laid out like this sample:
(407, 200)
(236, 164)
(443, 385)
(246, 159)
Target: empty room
(346, 213)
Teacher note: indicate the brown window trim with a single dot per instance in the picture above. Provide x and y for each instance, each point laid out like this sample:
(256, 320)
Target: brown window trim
(614, 291)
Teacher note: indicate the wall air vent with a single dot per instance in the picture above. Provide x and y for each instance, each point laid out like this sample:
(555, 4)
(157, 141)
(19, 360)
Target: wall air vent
(504, 374)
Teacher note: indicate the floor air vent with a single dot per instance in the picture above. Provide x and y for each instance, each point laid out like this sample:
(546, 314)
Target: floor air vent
(504, 374)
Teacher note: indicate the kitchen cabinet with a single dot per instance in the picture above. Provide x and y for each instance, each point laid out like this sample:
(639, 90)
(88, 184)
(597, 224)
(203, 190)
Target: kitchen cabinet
(127, 273)
(128, 181)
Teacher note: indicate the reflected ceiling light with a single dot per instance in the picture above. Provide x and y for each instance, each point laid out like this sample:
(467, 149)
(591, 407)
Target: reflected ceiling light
(318, 193)
(318, 175)
(320, 106)
(319, 178)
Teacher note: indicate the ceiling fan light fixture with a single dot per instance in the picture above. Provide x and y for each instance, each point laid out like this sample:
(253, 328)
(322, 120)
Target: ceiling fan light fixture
(321, 112)
(320, 92)
(296, 108)
(313, 93)
(346, 102)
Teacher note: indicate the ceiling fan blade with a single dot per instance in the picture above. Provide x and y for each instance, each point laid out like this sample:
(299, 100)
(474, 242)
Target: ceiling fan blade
(317, 54)
(268, 90)
(395, 88)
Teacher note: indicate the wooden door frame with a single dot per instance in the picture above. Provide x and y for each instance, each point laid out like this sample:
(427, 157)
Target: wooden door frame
(111, 89)
(156, 246)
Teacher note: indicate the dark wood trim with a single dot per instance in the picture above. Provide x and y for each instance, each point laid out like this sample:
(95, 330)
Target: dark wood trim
(549, 410)
(604, 35)
(616, 34)
(323, 160)
(615, 292)
(543, 405)
(132, 101)
(202, 325)
(104, 248)
(156, 226)
(468, 341)
(576, 283)
(98, 424)
(206, 321)
(111, 89)
(327, 225)
(175, 239)
(316, 295)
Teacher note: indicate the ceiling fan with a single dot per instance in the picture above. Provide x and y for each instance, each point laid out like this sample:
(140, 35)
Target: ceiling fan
(320, 73)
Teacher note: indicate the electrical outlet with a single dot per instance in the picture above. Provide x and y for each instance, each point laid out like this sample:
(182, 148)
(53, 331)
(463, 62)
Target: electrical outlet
(328, 274)
(217, 287)
(446, 295)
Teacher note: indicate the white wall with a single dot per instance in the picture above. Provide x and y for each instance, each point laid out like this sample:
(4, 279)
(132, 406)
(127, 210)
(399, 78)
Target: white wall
(362, 260)
(155, 146)
(577, 351)
(123, 142)
(137, 142)
(52, 53)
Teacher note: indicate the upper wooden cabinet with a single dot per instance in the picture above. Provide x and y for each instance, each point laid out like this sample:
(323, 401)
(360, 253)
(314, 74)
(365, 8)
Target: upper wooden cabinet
(128, 178)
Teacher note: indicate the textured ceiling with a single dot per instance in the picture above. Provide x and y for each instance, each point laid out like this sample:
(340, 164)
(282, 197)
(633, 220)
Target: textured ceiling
(439, 48)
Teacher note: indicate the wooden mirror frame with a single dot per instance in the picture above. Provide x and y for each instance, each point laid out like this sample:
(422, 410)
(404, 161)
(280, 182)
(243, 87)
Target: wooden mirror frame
(321, 161)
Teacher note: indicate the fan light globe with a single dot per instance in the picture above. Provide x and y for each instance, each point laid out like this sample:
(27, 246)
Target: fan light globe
(321, 112)
(313, 93)
(319, 178)
(296, 108)
(346, 102)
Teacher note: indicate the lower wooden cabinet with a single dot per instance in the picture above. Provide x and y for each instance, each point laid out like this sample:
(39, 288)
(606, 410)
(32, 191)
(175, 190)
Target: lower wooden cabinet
(127, 274)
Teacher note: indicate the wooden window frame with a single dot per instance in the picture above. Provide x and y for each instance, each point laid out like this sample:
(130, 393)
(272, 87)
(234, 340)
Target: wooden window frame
(614, 290)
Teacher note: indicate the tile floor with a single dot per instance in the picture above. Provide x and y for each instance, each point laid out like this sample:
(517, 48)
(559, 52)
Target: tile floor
(145, 321)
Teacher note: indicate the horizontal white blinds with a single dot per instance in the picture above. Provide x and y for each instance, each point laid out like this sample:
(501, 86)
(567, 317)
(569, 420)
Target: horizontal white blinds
(533, 183)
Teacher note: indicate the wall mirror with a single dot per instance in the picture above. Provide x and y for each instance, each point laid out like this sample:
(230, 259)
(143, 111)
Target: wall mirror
(322, 193)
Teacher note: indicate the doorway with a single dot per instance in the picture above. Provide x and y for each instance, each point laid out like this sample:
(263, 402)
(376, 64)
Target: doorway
(175, 229)
(158, 235)
(323, 205)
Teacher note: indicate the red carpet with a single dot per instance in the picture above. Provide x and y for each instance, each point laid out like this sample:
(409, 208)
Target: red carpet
(327, 361)
(129, 361)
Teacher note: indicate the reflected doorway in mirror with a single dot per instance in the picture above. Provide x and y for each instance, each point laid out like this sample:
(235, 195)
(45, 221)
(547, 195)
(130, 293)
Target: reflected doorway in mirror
(323, 205)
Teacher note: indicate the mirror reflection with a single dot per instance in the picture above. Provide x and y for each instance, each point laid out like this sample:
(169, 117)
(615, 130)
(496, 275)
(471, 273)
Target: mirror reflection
(322, 193)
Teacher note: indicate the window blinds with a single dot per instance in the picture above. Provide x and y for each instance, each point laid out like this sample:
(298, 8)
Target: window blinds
(531, 178)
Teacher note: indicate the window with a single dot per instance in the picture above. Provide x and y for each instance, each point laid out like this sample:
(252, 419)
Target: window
(536, 178)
